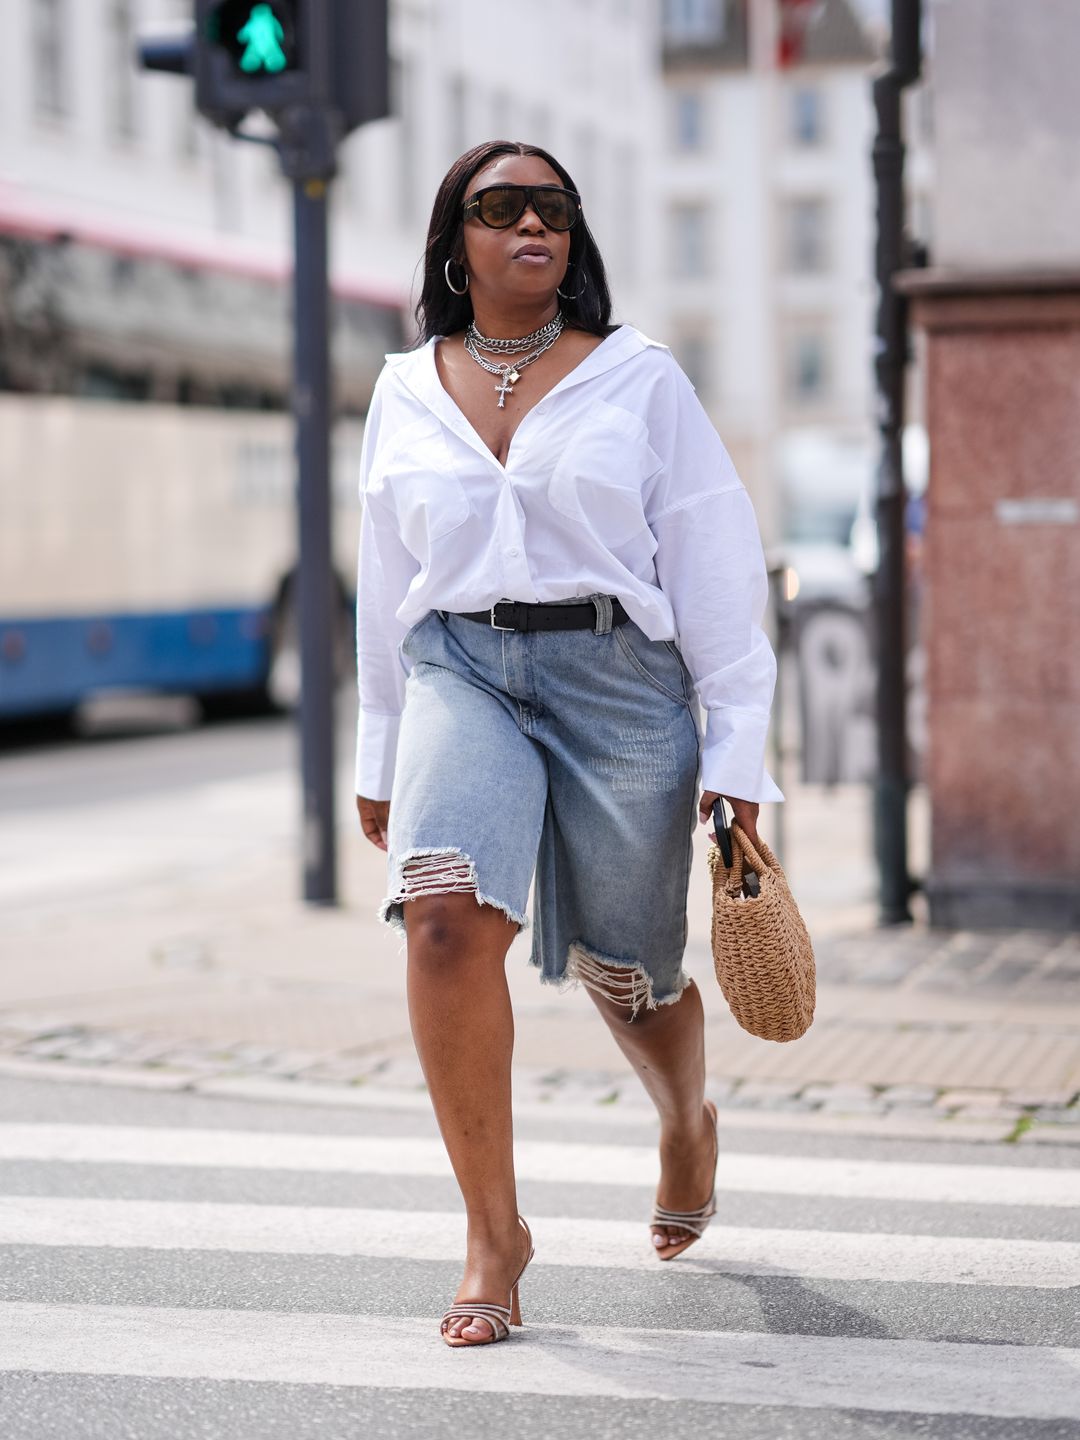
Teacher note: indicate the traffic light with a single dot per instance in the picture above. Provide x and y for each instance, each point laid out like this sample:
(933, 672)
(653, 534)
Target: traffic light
(275, 55)
(260, 55)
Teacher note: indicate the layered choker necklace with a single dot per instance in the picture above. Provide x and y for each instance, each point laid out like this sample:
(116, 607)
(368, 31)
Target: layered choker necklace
(529, 347)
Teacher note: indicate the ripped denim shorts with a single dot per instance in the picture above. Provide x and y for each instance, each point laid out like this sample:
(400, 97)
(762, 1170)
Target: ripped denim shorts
(573, 754)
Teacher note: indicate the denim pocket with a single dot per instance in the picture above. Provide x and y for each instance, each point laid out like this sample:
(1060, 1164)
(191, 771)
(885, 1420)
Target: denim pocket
(406, 639)
(656, 661)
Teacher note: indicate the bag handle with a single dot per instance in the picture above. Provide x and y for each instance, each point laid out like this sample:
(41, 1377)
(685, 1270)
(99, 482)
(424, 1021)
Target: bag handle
(723, 832)
(742, 877)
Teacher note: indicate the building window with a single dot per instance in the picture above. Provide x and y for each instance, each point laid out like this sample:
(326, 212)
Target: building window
(692, 351)
(539, 127)
(456, 120)
(693, 22)
(187, 127)
(122, 91)
(402, 105)
(583, 166)
(689, 242)
(807, 115)
(807, 367)
(807, 240)
(50, 20)
(921, 212)
(502, 122)
(688, 116)
(923, 100)
(626, 188)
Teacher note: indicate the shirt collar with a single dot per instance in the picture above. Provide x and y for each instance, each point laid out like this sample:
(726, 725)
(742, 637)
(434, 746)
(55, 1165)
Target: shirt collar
(416, 370)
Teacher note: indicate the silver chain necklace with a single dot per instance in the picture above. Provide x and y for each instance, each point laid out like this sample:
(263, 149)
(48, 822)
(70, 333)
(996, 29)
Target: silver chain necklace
(510, 373)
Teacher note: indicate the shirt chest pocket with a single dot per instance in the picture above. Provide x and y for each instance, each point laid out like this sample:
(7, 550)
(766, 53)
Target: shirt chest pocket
(419, 478)
(599, 479)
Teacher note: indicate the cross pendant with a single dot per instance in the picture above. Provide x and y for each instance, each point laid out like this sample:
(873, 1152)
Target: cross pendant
(505, 386)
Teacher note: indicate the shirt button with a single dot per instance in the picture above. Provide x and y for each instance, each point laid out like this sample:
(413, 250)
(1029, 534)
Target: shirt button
(513, 550)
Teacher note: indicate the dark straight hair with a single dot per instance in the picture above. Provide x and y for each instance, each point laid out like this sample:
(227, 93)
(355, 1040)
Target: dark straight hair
(441, 312)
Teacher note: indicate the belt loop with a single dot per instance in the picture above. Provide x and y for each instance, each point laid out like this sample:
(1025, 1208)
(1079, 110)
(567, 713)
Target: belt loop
(603, 614)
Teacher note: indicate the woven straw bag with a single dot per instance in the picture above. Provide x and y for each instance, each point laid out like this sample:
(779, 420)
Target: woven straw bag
(761, 948)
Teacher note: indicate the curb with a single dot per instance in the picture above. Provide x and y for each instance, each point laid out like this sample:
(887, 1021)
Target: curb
(83, 1055)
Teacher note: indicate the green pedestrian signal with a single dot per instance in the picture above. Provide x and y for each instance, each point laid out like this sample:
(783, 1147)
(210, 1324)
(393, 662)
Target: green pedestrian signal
(262, 36)
(259, 36)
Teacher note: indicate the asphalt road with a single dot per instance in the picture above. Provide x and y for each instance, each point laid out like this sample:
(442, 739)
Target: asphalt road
(187, 1266)
(145, 797)
(140, 746)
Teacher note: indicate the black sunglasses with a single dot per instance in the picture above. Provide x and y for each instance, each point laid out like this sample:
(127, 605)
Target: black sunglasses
(500, 205)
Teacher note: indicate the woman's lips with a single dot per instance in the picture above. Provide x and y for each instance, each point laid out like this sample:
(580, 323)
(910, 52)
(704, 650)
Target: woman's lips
(532, 259)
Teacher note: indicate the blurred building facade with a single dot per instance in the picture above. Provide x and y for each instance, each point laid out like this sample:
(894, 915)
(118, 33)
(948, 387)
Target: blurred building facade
(999, 310)
(731, 198)
(768, 278)
(92, 147)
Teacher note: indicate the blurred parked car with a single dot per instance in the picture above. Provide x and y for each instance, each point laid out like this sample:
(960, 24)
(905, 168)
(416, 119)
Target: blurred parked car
(825, 564)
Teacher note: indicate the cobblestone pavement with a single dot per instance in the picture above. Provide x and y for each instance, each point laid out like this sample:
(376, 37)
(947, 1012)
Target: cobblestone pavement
(1030, 965)
(39, 1044)
(178, 956)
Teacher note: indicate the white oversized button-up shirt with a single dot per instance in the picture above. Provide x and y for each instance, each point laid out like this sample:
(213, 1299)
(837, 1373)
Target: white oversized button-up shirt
(615, 482)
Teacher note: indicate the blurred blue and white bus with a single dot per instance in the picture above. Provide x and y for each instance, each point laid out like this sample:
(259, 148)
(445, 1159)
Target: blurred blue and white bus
(147, 477)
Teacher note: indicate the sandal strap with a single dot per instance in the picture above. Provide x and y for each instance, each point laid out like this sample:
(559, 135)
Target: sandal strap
(693, 1220)
(497, 1316)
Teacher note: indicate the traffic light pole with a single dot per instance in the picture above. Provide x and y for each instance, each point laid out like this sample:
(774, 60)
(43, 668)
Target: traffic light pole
(307, 153)
(311, 403)
(318, 69)
(890, 363)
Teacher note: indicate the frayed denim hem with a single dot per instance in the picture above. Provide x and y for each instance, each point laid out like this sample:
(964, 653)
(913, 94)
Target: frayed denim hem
(631, 986)
(426, 870)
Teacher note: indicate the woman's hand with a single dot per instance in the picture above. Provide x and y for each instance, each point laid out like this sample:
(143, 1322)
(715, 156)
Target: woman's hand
(746, 813)
(374, 819)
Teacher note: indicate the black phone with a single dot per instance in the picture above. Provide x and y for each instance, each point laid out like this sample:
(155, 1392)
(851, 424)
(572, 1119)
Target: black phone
(751, 885)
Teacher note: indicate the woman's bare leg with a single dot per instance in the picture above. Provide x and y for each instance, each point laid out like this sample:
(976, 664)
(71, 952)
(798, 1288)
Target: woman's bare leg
(666, 1048)
(463, 1027)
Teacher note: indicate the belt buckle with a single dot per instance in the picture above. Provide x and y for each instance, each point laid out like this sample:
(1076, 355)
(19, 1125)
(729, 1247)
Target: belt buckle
(494, 623)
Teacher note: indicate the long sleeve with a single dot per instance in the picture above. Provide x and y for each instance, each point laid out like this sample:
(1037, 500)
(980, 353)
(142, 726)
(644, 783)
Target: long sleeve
(711, 567)
(385, 571)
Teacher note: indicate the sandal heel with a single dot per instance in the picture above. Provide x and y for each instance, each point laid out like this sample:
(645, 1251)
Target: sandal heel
(694, 1222)
(499, 1318)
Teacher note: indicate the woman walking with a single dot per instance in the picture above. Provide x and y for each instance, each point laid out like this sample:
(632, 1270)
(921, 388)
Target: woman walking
(556, 558)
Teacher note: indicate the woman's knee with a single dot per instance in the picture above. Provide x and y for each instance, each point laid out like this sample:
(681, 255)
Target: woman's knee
(448, 930)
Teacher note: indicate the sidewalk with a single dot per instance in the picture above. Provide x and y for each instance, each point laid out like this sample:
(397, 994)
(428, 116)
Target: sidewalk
(228, 980)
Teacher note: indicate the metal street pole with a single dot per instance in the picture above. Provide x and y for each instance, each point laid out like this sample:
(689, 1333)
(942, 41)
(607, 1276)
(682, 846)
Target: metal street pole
(891, 354)
(315, 590)
(307, 145)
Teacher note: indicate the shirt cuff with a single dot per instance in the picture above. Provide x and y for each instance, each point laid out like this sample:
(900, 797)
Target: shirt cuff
(376, 751)
(733, 755)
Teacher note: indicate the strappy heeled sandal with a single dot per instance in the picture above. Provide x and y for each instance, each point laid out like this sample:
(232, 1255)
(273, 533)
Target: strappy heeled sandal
(696, 1221)
(499, 1317)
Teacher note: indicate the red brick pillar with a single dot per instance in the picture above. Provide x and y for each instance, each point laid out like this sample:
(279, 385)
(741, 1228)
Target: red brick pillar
(1002, 621)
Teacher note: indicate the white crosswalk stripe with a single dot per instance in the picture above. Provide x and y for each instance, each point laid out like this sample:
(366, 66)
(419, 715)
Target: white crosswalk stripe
(567, 1164)
(613, 1244)
(1038, 1382)
(245, 1339)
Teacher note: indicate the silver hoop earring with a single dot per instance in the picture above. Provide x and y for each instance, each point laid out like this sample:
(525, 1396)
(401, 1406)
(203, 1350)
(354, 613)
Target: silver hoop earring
(582, 286)
(449, 283)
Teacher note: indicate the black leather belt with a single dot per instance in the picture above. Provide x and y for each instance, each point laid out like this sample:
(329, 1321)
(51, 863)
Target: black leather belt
(521, 615)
